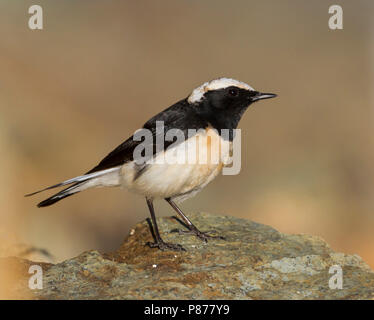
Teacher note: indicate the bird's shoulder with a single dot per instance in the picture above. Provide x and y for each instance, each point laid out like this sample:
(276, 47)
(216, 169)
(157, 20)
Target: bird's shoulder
(178, 116)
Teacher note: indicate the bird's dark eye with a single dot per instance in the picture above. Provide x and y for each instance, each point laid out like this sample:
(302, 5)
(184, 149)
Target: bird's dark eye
(234, 92)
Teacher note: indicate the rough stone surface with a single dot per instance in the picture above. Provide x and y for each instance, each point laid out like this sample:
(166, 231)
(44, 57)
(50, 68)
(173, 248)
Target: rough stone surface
(253, 262)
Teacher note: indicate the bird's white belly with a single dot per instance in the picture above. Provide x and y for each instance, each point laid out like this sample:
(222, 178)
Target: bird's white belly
(176, 176)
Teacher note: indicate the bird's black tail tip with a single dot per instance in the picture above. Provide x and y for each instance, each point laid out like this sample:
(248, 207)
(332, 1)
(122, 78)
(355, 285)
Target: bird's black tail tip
(52, 200)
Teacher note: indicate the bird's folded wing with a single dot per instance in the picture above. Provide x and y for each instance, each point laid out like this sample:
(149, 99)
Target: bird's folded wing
(175, 117)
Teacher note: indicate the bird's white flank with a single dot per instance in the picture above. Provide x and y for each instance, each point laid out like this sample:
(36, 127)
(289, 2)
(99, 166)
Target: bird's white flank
(221, 83)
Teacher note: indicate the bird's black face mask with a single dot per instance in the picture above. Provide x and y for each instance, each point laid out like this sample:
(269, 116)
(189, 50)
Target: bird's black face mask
(224, 108)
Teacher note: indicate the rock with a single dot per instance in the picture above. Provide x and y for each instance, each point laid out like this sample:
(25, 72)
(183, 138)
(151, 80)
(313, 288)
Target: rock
(11, 245)
(253, 262)
(12, 269)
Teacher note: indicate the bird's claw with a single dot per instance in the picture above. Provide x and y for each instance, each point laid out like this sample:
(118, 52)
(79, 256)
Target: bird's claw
(166, 246)
(204, 236)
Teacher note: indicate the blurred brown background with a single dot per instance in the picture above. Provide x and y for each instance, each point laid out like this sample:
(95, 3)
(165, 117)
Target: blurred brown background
(72, 92)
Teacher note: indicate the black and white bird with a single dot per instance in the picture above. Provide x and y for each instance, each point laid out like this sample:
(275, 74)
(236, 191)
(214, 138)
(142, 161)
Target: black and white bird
(215, 105)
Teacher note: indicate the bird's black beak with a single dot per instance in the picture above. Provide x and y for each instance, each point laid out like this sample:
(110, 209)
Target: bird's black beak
(262, 96)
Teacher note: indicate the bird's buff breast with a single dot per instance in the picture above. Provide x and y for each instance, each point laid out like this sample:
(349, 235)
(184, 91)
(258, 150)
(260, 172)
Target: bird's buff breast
(172, 175)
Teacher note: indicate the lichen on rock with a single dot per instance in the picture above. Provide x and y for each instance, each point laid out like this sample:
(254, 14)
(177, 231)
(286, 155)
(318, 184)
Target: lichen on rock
(253, 262)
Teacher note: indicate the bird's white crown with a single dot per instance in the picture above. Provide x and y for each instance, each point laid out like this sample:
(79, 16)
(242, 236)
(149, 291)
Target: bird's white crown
(221, 83)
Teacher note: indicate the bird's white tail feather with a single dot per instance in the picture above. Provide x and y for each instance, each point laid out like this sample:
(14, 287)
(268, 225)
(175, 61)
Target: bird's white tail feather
(108, 177)
(112, 172)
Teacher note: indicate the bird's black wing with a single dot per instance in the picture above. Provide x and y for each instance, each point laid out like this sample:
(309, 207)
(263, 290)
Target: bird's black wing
(120, 155)
(178, 116)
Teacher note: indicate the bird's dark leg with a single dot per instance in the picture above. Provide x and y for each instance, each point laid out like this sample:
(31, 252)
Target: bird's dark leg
(159, 243)
(192, 228)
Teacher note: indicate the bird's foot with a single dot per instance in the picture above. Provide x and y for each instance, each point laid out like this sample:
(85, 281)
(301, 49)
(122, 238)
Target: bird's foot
(204, 236)
(165, 246)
